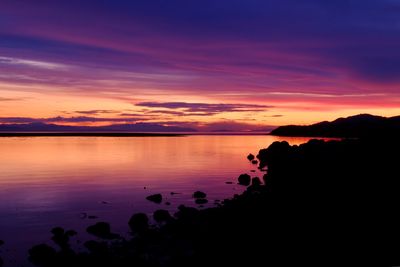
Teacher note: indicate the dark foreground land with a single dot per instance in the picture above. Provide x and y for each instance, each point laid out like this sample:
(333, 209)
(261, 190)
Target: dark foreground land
(323, 203)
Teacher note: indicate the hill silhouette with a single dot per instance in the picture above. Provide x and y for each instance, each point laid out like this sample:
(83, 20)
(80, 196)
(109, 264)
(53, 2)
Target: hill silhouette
(48, 127)
(363, 125)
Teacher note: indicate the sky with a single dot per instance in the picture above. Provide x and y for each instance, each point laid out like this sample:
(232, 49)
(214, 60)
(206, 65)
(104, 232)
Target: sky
(206, 64)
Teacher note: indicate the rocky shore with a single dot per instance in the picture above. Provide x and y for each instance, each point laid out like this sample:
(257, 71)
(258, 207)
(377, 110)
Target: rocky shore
(320, 203)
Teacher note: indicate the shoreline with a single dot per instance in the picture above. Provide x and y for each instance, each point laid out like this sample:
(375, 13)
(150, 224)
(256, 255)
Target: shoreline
(88, 134)
(314, 196)
(121, 134)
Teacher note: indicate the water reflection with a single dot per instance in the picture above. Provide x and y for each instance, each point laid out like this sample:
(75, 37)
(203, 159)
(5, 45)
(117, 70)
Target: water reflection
(51, 181)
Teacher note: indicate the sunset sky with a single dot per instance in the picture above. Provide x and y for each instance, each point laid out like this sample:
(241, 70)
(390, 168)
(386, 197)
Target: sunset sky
(206, 64)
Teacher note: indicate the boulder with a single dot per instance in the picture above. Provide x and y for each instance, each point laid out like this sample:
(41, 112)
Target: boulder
(139, 222)
(250, 157)
(244, 179)
(102, 230)
(156, 198)
(162, 216)
(201, 201)
(199, 194)
(95, 247)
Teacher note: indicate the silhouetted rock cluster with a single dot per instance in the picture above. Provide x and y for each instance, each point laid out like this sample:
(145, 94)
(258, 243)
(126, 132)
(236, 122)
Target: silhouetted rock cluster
(200, 198)
(322, 203)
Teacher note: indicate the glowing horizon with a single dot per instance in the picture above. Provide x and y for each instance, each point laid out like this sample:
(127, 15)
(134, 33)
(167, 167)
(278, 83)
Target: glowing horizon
(207, 64)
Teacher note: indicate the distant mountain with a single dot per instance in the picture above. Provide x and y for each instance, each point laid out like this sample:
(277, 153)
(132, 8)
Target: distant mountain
(137, 127)
(363, 125)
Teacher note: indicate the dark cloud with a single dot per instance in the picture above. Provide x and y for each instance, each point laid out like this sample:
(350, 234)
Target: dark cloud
(60, 119)
(11, 98)
(203, 109)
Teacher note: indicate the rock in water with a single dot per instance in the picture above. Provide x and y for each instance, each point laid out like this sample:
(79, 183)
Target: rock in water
(161, 216)
(244, 179)
(250, 157)
(139, 222)
(199, 194)
(157, 198)
(256, 181)
(201, 201)
(102, 230)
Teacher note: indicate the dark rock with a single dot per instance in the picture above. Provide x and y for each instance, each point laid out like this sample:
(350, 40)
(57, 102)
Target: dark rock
(57, 231)
(174, 193)
(199, 194)
(1, 242)
(276, 152)
(255, 181)
(244, 179)
(60, 237)
(229, 182)
(96, 247)
(71, 233)
(92, 217)
(42, 255)
(157, 198)
(254, 161)
(139, 222)
(186, 213)
(201, 201)
(1, 262)
(250, 157)
(162, 216)
(102, 230)
(167, 203)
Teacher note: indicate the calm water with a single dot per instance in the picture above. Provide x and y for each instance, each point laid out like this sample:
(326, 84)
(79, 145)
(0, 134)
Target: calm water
(52, 181)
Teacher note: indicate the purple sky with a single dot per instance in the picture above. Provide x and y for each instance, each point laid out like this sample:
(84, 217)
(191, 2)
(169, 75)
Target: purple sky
(244, 62)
